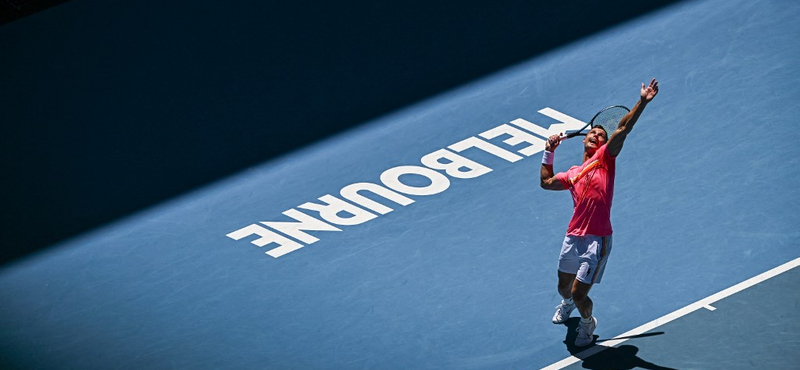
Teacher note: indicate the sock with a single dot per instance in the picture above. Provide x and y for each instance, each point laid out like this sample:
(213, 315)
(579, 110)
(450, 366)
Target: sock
(585, 320)
(567, 302)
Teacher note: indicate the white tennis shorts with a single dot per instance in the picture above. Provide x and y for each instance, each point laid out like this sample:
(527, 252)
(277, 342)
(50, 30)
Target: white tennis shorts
(585, 256)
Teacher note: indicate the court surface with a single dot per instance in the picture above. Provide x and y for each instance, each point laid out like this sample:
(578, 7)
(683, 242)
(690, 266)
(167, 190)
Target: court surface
(456, 270)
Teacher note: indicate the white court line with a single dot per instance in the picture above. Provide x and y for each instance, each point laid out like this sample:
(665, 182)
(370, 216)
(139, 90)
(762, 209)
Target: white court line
(703, 303)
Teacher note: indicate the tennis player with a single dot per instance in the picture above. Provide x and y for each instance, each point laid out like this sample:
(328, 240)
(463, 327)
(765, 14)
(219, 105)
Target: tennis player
(587, 244)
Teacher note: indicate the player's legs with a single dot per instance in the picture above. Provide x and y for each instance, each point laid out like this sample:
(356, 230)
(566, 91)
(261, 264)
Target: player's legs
(593, 260)
(580, 265)
(580, 295)
(568, 264)
(564, 309)
(565, 281)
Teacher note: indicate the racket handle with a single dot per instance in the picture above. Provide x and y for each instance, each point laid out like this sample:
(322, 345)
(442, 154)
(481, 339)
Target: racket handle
(571, 135)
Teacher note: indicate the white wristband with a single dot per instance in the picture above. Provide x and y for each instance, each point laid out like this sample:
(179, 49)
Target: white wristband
(547, 158)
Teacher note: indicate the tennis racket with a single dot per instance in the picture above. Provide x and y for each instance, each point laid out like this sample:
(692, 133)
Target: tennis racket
(608, 119)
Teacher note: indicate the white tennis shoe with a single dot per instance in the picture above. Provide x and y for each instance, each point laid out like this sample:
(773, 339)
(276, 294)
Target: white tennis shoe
(562, 313)
(586, 333)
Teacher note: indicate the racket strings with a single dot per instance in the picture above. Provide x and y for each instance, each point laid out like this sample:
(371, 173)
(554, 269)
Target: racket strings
(609, 118)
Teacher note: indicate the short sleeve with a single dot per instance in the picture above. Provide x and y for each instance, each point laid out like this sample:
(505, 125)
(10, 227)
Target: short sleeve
(564, 178)
(604, 156)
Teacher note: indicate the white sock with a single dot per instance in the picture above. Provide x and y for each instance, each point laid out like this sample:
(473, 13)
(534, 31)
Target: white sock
(567, 302)
(585, 320)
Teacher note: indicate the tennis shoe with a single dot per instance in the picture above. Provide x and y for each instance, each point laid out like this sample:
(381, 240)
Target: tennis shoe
(562, 313)
(585, 333)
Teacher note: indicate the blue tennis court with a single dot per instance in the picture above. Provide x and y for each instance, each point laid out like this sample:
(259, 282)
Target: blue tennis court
(372, 250)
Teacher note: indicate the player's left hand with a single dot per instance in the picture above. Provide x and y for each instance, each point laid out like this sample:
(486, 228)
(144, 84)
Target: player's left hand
(649, 92)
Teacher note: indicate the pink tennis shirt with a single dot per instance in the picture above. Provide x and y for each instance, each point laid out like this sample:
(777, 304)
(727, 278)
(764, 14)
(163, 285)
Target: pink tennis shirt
(592, 188)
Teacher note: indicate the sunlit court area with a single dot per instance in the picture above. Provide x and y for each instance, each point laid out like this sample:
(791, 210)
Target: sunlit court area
(206, 185)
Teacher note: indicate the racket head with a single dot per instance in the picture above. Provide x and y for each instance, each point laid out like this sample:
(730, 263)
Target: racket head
(608, 118)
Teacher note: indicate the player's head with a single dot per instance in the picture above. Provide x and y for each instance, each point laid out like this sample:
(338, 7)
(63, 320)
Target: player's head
(595, 138)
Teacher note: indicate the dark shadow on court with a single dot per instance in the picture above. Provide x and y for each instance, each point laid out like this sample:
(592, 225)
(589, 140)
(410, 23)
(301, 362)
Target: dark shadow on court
(135, 104)
(612, 358)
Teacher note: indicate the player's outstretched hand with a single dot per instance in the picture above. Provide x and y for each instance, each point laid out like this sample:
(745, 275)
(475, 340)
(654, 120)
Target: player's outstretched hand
(649, 92)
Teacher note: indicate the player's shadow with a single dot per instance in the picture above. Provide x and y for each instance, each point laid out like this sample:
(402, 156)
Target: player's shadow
(611, 358)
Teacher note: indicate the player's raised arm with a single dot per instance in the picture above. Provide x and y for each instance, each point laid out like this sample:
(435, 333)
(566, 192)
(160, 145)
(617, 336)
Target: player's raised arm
(548, 178)
(617, 139)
